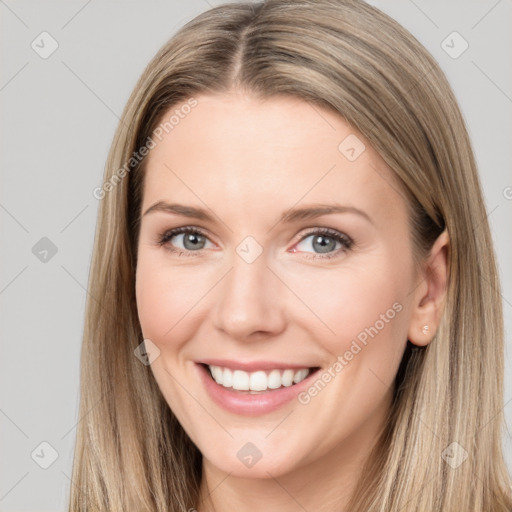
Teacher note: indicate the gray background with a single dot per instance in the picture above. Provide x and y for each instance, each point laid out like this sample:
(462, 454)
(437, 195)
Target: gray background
(58, 117)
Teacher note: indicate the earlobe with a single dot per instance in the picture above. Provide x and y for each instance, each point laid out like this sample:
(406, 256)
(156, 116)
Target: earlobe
(428, 304)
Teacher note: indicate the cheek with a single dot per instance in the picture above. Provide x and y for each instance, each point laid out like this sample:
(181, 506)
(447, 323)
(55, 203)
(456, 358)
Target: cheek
(154, 294)
(165, 303)
(361, 318)
(167, 299)
(354, 303)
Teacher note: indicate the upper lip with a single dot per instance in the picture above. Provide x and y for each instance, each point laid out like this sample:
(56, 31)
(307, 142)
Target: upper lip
(252, 366)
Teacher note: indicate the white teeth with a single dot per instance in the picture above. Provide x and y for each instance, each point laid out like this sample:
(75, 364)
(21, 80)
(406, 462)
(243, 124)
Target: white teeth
(259, 380)
(300, 376)
(217, 373)
(240, 380)
(274, 379)
(287, 378)
(227, 377)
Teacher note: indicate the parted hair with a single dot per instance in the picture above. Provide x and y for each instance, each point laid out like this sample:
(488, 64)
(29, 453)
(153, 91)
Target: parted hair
(131, 453)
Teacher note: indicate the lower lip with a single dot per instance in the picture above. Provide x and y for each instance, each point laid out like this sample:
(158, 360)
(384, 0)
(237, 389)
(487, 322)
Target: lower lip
(247, 404)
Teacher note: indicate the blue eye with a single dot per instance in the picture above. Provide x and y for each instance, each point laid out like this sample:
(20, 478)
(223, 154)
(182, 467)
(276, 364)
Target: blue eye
(192, 239)
(325, 243)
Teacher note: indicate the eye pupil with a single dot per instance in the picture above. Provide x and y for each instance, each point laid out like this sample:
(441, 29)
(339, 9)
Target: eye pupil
(323, 245)
(194, 239)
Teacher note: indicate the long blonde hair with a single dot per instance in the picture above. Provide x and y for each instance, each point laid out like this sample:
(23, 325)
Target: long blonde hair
(131, 453)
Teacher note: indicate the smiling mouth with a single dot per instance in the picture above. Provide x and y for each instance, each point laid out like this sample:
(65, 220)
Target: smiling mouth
(260, 381)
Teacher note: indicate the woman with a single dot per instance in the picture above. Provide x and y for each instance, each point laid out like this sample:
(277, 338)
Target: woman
(293, 303)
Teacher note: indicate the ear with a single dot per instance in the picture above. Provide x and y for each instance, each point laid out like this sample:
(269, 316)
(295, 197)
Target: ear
(430, 293)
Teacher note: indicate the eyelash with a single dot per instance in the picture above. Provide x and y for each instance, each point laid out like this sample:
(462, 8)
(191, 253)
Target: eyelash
(345, 240)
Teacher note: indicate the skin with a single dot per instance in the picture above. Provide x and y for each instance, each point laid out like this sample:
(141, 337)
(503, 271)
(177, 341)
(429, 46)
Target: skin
(247, 161)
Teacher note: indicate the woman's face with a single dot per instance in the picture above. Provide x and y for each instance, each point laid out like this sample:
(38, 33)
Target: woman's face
(296, 265)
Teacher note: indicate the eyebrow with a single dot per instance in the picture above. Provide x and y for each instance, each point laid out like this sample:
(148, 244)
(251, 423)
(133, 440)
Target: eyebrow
(289, 216)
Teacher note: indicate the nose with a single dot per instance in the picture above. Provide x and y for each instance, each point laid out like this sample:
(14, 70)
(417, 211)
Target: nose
(249, 303)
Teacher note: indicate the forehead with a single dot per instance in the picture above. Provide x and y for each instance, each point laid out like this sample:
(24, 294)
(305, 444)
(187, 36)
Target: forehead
(241, 155)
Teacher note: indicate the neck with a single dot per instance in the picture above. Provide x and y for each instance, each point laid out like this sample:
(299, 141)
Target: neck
(324, 485)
